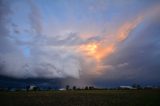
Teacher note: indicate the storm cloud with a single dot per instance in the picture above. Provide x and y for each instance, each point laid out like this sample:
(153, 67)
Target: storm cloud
(92, 42)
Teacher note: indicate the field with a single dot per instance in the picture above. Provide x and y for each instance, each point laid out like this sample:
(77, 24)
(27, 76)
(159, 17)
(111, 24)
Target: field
(82, 98)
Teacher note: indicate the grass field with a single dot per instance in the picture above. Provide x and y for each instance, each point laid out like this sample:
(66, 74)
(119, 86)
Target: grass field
(82, 98)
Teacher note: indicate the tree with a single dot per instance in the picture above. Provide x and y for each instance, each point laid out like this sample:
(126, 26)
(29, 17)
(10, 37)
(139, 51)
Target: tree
(74, 88)
(86, 88)
(67, 87)
(91, 87)
(36, 88)
(27, 87)
(137, 86)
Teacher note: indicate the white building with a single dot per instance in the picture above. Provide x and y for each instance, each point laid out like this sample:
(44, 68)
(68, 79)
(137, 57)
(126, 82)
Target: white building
(62, 89)
(31, 87)
(126, 87)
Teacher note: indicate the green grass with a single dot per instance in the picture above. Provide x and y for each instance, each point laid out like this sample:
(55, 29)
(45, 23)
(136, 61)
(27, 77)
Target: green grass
(82, 98)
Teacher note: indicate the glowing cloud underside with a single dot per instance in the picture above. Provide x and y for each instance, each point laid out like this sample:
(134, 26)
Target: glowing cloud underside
(104, 47)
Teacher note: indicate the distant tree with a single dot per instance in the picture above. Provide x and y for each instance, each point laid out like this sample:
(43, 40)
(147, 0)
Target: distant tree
(74, 88)
(27, 87)
(67, 87)
(86, 88)
(36, 88)
(137, 86)
(91, 87)
(134, 85)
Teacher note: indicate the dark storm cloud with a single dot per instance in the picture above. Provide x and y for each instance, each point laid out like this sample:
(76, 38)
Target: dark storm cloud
(8, 82)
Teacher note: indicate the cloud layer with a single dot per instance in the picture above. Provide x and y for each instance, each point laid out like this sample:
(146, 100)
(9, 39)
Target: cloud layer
(90, 41)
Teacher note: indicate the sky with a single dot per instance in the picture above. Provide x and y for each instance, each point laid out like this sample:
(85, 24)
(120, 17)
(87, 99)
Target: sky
(80, 42)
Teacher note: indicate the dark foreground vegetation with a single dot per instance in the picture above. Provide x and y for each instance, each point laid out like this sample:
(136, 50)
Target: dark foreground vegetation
(82, 98)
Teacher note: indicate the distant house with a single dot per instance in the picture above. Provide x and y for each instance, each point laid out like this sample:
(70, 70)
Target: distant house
(62, 89)
(32, 87)
(126, 87)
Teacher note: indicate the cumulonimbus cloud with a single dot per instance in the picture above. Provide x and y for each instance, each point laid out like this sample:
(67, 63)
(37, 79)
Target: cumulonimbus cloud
(59, 56)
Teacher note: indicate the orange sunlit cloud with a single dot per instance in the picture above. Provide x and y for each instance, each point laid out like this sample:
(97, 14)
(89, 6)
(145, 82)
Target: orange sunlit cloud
(105, 47)
(124, 30)
(104, 51)
(89, 49)
(97, 51)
